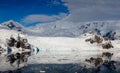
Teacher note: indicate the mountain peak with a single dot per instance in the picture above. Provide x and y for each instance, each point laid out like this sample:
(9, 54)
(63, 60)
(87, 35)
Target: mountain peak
(11, 21)
(11, 24)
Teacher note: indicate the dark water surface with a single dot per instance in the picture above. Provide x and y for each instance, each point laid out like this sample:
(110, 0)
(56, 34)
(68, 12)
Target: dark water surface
(58, 68)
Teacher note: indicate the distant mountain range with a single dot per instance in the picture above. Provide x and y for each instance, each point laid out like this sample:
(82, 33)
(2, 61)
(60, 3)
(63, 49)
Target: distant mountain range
(66, 29)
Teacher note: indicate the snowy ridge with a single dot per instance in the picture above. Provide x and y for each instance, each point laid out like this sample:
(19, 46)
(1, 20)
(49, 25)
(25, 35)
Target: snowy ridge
(11, 24)
(69, 29)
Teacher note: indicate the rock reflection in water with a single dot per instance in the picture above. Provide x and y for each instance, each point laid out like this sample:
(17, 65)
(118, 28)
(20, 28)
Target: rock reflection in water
(103, 61)
(13, 61)
(19, 58)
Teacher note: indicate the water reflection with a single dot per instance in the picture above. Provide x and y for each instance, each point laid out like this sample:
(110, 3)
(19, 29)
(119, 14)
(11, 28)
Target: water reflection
(103, 61)
(19, 58)
(13, 61)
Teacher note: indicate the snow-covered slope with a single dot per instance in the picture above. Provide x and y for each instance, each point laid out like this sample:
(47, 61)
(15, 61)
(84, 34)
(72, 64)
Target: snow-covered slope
(69, 29)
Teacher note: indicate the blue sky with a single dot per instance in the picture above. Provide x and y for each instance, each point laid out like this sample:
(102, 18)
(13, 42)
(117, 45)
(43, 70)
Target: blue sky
(17, 10)
(32, 12)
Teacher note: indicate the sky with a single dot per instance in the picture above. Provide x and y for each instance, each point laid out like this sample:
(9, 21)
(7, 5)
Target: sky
(29, 12)
(93, 10)
(32, 12)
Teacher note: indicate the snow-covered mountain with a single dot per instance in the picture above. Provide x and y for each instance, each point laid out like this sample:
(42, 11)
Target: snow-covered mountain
(11, 24)
(69, 29)
(109, 29)
(75, 43)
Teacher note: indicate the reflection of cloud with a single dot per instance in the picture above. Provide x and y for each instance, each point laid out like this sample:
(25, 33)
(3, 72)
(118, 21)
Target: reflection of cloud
(90, 10)
(42, 18)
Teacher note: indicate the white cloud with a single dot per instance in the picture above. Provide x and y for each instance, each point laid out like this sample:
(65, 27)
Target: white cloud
(82, 10)
(42, 18)
(92, 10)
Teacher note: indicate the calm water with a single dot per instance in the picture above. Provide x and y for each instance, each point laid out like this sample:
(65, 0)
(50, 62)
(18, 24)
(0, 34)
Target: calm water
(21, 62)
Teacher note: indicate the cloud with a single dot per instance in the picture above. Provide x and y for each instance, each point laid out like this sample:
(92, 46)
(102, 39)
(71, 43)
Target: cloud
(38, 18)
(82, 11)
(92, 10)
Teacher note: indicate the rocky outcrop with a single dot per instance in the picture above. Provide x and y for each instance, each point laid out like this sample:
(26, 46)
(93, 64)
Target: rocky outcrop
(105, 43)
